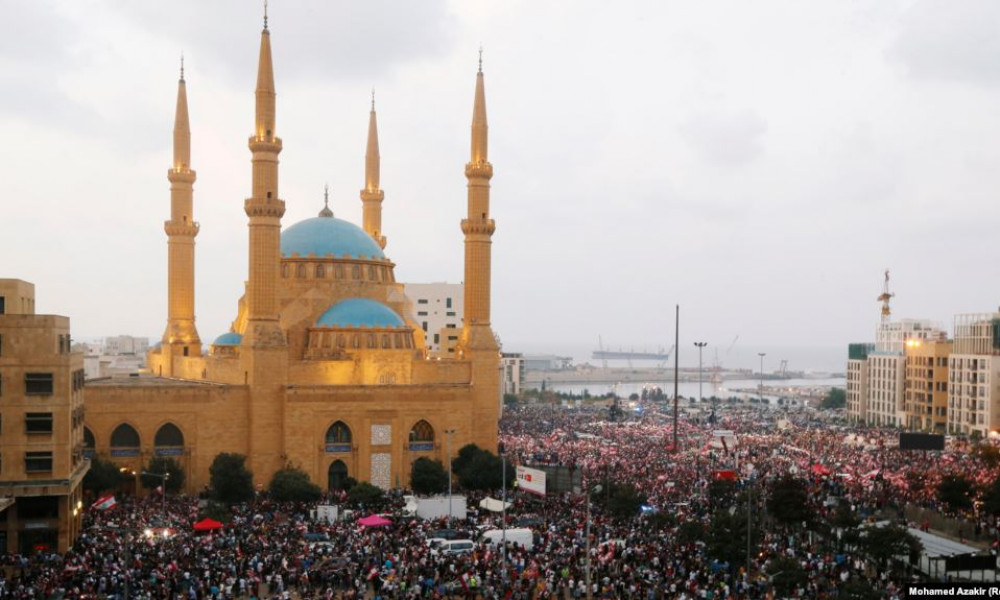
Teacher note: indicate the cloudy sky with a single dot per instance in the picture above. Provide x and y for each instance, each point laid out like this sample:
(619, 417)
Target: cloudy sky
(758, 163)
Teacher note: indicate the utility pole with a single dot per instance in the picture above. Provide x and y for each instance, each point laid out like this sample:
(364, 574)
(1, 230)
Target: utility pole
(449, 432)
(677, 351)
(701, 378)
(761, 355)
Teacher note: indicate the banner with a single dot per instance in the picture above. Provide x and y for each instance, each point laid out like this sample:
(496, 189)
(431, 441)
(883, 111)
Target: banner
(531, 480)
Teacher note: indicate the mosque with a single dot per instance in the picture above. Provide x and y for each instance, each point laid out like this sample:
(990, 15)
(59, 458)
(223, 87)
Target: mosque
(324, 367)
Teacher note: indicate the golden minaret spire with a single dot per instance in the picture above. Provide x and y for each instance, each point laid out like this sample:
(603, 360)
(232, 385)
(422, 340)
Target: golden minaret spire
(181, 336)
(372, 195)
(265, 211)
(478, 228)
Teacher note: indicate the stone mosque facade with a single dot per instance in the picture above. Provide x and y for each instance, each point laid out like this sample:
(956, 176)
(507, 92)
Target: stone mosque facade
(324, 367)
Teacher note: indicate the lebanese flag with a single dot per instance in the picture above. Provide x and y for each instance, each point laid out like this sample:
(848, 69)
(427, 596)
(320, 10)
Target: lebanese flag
(105, 503)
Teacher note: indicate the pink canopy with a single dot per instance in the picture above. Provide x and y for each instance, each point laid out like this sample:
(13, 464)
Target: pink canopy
(374, 521)
(207, 525)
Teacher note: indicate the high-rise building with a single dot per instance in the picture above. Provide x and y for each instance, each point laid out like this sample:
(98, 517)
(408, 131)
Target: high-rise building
(926, 384)
(41, 426)
(974, 375)
(324, 367)
(438, 307)
(857, 382)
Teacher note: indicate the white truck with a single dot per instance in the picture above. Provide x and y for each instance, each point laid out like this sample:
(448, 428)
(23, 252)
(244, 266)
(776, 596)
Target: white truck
(436, 507)
(522, 536)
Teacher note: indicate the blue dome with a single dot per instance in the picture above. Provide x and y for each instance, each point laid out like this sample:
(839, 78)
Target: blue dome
(228, 339)
(360, 312)
(323, 236)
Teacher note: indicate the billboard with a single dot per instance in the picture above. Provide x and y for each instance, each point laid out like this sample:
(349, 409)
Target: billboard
(531, 480)
(921, 441)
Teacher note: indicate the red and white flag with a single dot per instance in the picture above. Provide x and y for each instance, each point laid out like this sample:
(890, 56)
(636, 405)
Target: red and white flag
(159, 490)
(105, 503)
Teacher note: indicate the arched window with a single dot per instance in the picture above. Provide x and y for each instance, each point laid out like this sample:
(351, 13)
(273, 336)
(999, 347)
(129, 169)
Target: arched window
(89, 444)
(422, 436)
(385, 341)
(300, 271)
(320, 272)
(124, 441)
(338, 272)
(338, 433)
(168, 435)
(371, 272)
(341, 342)
(284, 271)
(356, 272)
(337, 475)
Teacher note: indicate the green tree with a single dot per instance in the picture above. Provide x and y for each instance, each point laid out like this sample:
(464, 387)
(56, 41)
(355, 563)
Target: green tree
(293, 485)
(956, 492)
(857, 588)
(884, 544)
(836, 398)
(465, 455)
(990, 455)
(365, 495)
(690, 532)
(721, 493)
(625, 501)
(788, 502)
(428, 476)
(510, 399)
(727, 536)
(483, 471)
(785, 575)
(215, 510)
(159, 465)
(102, 476)
(991, 498)
(230, 479)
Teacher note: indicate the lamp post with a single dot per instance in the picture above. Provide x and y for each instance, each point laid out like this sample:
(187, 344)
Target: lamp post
(701, 377)
(449, 433)
(163, 477)
(749, 469)
(503, 504)
(596, 490)
(762, 355)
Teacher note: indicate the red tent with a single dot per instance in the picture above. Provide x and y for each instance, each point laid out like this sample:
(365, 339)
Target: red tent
(207, 525)
(374, 521)
(725, 475)
(819, 469)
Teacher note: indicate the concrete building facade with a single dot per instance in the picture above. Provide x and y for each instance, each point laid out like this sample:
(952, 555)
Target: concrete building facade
(325, 367)
(857, 382)
(974, 375)
(42, 462)
(926, 385)
(439, 308)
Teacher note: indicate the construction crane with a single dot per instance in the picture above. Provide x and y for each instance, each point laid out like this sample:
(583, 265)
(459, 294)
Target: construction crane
(783, 368)
(884, 298)
(604, 358)
(666, 356)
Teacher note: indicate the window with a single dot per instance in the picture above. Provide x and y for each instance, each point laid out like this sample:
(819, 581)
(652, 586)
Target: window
(437, 338)
(450, 313)
(300, 271)
(1, 344)
(38, 462)
(356, 272)
(422, 313)
(447, 303)
(424, 324)
(422, 301)
(38, 384)
(38, 423)
(2, 305)
(320, 272)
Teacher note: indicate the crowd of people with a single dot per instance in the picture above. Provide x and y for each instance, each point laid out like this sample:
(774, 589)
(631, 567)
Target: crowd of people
(145, 548)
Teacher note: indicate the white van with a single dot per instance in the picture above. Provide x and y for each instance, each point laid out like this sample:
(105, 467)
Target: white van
(521, 536)
(445, 547)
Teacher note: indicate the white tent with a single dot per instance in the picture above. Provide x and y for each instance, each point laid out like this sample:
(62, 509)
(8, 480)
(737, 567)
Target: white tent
(493, 505)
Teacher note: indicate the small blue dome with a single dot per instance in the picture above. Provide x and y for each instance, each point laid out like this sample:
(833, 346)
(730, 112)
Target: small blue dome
(228, 339)
(360, 312)
(323, 236)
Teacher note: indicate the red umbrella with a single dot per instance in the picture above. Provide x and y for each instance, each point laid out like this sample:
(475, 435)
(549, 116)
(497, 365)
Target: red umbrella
(374, 521)
(207, 525)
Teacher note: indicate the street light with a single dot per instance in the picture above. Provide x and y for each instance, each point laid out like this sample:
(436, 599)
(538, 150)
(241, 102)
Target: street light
(701, 378)
(595, 490)
(449, 433)
(749, 468)
(503, 504)
(762, 355)
(163, 478)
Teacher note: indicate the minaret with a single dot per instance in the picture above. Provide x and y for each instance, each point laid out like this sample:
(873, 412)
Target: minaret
(264, 351)
(372, 195)
(181, 336)
(265, 211)
(477, 343)
(478, 228)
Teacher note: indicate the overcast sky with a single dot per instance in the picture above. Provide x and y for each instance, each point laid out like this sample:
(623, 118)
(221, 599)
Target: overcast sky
(759, 163)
